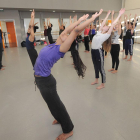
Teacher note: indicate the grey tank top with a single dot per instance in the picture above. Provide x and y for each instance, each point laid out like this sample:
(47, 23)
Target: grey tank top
(115, 38)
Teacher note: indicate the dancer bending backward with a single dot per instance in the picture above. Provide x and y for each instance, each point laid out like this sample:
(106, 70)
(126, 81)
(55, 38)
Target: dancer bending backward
(129, 33)
(103, 36)
(115, 46)
(46, 83)
(30, 40)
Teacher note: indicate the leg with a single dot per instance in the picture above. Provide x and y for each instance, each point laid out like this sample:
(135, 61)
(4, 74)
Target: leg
(47, 40)
(112, 56)
(126, 48)
(85, 43)
(88, 44)
(95, 63)
(33, 55)
(55, 105)
(116, 56)
(101, 68)
(130, 48)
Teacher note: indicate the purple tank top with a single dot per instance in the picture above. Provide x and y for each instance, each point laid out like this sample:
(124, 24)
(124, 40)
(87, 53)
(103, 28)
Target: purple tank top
(48, 56)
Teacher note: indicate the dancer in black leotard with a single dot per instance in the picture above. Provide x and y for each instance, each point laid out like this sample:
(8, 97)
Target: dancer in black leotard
(1, 50)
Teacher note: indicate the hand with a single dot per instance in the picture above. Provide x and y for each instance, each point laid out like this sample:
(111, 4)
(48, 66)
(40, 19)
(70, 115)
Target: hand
(135, 15)
(121, 12)
(108, 12)
(97, 14)
(84, 17)
(112, 12)
(33, 14)
(130, 15)
(97, 21)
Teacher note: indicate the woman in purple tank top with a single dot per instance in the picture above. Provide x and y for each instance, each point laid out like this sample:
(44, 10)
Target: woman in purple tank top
(46, 83)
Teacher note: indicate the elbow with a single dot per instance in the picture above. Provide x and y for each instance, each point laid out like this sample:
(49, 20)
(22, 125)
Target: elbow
(77, 30)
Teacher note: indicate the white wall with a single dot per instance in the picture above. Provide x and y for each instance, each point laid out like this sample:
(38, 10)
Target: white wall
(63, 4)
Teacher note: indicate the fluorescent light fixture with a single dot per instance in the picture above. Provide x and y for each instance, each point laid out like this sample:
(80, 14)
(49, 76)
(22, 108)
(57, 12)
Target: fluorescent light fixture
(53, 11)
(73, 11)
(1, 9)
(137, 30)
(136, 36)
(122, 22)
(30, 10)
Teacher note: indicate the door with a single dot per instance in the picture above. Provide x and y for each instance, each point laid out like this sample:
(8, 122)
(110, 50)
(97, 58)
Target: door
(11, 34)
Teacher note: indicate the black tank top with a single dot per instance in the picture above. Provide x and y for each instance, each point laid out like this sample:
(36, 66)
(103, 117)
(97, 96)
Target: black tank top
(128, 34)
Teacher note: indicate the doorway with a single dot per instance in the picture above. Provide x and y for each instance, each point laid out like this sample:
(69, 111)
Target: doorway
(9, 34)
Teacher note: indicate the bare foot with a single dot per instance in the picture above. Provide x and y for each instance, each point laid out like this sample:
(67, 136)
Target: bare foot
(70, 56)
(106, 56)
(101, 87)
(111, 70)
(64, 136)
(129, 59)
(94, 83)
(72, 64)
(2, 69)
(125, 58)
(115, 71)
(122, 51)
(3, 66)
(55, 122)
(87, 51)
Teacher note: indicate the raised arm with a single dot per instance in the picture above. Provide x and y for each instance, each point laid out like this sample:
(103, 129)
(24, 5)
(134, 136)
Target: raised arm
(47, 22)
(59, 24)
(104, 22)
(119, 24)
(126, 22)
(112, 16)
(86, 23)
(116, 20)
(35, 24)
(70, 20)
(97, 25)
(31, 26)
(135, 20)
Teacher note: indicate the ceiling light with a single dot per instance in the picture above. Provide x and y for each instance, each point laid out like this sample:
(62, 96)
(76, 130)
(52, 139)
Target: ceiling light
(30, 10)
(1, 9)
(53, 11)
(73, 11)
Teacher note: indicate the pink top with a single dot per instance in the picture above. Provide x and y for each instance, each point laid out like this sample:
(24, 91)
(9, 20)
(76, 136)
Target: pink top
(86, 32)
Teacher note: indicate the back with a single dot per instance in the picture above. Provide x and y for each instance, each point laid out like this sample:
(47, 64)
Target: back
(29, 45)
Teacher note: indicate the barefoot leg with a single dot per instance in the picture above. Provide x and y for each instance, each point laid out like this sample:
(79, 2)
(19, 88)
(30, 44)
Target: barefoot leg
(64, 136)
(101, 86)
(115, 71)
(125, 57)
(130, 58)
(55, 122)
(94, 83)
(111, 70)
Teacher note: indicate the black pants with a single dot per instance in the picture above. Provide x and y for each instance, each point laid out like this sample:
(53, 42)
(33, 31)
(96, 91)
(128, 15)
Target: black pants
(50, 39)
(1, 52)
(124, 38)
(98, 62)
(115, 51)
(86, 42)
(33, 55)
(47, 87)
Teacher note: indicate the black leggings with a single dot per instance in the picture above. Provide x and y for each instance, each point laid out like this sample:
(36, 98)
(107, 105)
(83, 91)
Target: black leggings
(115, 51)
(33, 55)
(124, 38)
(47, 87)
(86, 42)
(1, 51)
(50, 39)
(98, 62)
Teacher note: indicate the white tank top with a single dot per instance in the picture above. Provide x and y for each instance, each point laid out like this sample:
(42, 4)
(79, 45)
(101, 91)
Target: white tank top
(115, 38)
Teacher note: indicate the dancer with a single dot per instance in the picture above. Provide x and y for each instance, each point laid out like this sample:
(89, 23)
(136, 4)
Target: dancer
(115, 47)
(86, 39)
(102, 37)
(45, 34)
(129, 42)
(46, 83)
(31, 39)
(49, 25)
(61, 26)
(1, 51)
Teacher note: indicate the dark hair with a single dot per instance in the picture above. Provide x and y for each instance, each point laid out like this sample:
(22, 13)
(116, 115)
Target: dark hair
(1, 33)
(79, 66)
(51, 25)
(35, 28)
(64, 27)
